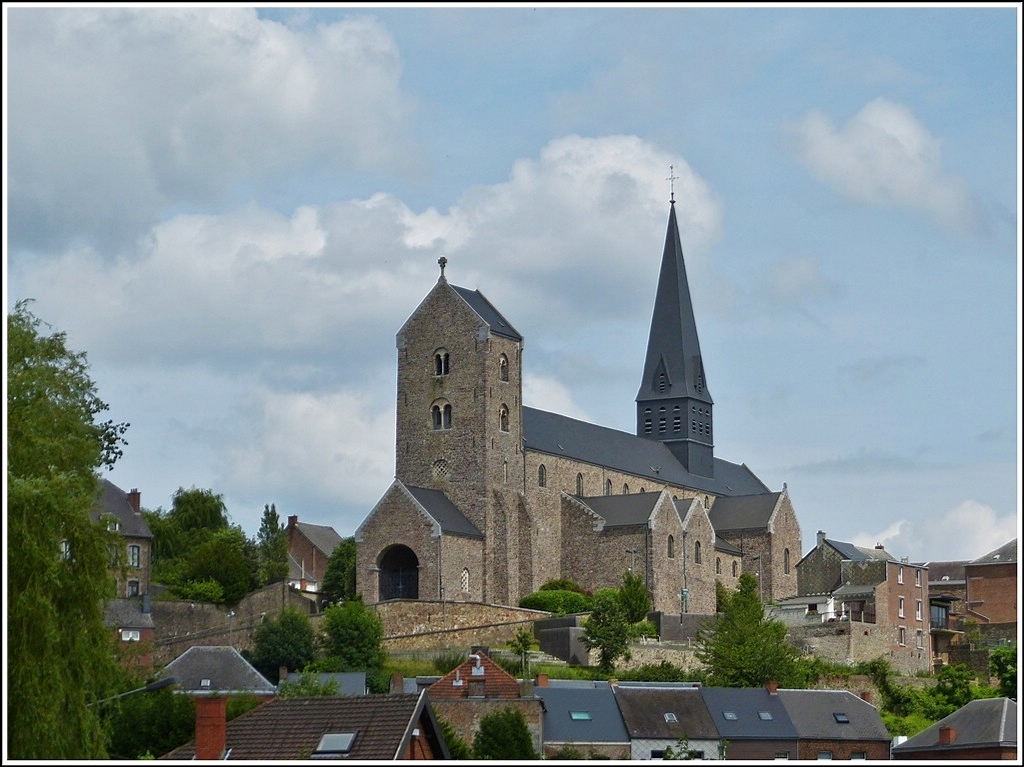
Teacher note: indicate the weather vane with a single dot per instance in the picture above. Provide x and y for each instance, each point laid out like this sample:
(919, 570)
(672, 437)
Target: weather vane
(672, 184)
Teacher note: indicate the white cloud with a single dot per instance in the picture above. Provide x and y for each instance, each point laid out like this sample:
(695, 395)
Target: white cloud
(549, 394)
(885, 156)
(122, 113)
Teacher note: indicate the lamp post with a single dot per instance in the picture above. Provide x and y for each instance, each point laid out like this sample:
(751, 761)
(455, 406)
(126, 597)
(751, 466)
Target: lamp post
(632, 558)
(159, 684)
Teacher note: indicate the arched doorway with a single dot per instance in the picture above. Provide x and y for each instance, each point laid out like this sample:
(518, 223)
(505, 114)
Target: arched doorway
(399, 574)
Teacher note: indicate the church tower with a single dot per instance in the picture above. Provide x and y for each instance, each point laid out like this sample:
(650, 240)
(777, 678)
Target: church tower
(673, 404)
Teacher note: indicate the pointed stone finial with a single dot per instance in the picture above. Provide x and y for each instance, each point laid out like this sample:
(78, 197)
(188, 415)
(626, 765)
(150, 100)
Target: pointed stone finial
(442, 262)
(672, 184)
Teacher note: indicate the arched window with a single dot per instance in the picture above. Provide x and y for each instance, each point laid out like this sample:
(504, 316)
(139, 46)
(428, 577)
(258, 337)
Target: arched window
(608, 487)
(579, 484)
(718, 565)
(671, 547)
(677, 419)
(785, 561)
(503, 418)
(696, 552)
(503, 368)
(441, 415)
(440, 362)
(464, 582)
(542, 476)
(661, 420)
(625, 489)
(734, 568)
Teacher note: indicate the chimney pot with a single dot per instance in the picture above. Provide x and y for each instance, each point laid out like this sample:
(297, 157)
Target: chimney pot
(821, 537)
(293, 520)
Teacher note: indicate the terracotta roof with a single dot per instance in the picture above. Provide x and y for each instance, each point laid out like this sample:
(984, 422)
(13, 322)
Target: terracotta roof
(460, 682)
(291, 728)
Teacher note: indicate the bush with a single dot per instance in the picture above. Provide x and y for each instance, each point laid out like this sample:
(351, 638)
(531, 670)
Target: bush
(643, 628)
(559, 602)
(448, 660)
(562, 584)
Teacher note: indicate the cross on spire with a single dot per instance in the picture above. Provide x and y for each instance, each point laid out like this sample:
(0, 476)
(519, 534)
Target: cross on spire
(672, 184)
(442, 262)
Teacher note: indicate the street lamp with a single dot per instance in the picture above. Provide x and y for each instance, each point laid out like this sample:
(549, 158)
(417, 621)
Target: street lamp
(159, 684)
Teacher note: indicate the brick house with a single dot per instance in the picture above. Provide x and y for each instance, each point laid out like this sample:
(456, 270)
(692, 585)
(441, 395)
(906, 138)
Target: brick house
(309, 549)
(879, 605)
(992, 589)
(491, 498)
(132, 626)
(122, 512)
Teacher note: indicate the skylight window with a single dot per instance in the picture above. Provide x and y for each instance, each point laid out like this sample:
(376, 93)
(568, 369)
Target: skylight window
(765, 716)
(580, 716)
(841, 717)
(670, 717)
(730, 715)
(334, 745)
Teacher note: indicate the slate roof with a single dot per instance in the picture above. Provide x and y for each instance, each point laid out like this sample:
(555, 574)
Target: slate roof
(854, 590)
(348, 682)
(859, 553)
(945, 572)
(725, 547)
(1007, 553)
(644, 707)
(562, 436)
(747, 703)
(990, 722)
(225, 668)
(622, 510)
(498, 683)
(127, 613)
(291, 728)
(813, 715)
(324, 537)
(485, 309)
(444, 512)
(596, 699)
(114, 500)
(743, 512)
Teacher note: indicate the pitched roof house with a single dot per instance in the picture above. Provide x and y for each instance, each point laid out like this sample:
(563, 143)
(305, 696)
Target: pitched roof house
(217, 670)
(983, 729)
(835, 724)
(658, 715)
(752, 721)
(582, 715)
(309, 549)
(365, 728)
(992, 588)
(123, 514)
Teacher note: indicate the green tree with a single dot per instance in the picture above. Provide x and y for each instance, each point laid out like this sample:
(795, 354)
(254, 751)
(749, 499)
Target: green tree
(288, 640)
(59, 654)
(635, 597)
(222, 558)
(953, 688)
(742, 648)
(151, 723)
(272, 541)
(198, 510)
(607, 629)
(1002, 663)
(503, 734)
(521, 643)
(457, 747)
(352, 636)
(339, 582)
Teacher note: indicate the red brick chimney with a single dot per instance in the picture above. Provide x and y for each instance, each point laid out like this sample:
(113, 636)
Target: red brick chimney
(946, 736)
(211, 727)
(772, 687)
(542, 680)
(135, 500)
(865, 696)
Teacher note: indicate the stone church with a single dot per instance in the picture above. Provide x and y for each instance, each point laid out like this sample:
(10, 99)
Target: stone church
(491, 499)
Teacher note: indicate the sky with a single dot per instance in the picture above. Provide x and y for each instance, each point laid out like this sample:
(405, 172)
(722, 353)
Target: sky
(233, 210)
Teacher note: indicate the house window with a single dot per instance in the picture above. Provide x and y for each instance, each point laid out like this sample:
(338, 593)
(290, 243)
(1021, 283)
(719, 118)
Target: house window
(824, 755)
(903, 636)
(899, 574)
(920, 639)
(133, 588)
(671, 547)
(901, 609)
(113, 526)
(134, 555)
(785, 561)
(734, 569)
(625, 489)
(765, 716)
(542, 476)
(580, 716)
(729, 716)
(859, 755)
(334, 745)
(718, 565)
(503, 368)
(608, 487)
(440, 363)
(579, 484)
(65, 550)
(130, 635)
(670, 717)
(464, 582)
(841, 717)
(696, 552)
(919, 609)
(503, 418)
(782, 755)
(917, 577)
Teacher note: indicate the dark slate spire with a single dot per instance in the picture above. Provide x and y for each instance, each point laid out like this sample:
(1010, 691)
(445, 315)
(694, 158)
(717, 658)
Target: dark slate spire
(673, 404)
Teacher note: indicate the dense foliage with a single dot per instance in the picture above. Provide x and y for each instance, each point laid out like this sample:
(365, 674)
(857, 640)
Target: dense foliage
(352, 636)
(503, 734)
(287, 640)
(457, 747)
(339, 582)
(635, 597)
(272, 544)
(557, 601)
(607, 630)
(741, 647)
(59, 654)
